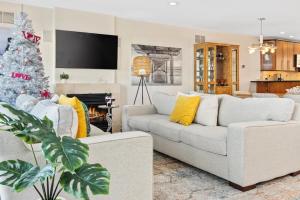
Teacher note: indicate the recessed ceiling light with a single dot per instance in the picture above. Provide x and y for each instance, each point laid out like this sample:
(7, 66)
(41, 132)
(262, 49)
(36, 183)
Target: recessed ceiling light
(282, 32)
(291, 36)
(173, 3)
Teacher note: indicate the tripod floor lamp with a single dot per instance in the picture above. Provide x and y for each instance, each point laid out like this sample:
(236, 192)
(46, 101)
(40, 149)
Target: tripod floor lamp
(142, 68)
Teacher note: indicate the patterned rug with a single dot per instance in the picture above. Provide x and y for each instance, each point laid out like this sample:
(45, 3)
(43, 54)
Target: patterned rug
(174, 180)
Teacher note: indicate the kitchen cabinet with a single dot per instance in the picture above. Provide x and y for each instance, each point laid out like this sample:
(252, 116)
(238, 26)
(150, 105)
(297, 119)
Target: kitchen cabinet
(282, 59)
(296, 48)
(268, 60)
(279, 55)
(290, 56)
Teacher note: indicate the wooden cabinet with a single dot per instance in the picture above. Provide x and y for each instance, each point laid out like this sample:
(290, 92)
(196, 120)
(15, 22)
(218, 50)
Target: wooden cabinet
(216, 68)
(279, 55)
(290, 56)
(296, 48)
(268, 61)
(282, 59)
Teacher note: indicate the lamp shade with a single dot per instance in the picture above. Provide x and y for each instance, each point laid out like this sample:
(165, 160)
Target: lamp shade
(141, 66)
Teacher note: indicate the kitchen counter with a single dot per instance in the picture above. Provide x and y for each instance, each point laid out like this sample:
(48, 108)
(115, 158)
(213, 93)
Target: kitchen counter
(276, 81)
(277, 87)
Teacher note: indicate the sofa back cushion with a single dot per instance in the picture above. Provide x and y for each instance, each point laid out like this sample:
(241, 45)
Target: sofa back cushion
(164, 103)
(208, 110)
(64, 117)
(233, 110)
(207, 113)
(296, 115)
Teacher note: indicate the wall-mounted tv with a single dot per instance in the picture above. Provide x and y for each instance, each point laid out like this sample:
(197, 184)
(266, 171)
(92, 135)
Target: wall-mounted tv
(86, 50)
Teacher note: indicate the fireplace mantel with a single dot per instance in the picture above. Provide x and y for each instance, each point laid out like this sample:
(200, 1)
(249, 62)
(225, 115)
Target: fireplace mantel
(86, 88)
(80, 88)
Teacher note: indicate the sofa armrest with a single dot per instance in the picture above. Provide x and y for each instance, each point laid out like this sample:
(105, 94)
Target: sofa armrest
(134, 110)
(10, 145)
(129, 159)
(261, 151)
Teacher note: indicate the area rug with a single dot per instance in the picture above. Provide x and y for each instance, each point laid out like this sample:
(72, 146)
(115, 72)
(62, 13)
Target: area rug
(174, 180)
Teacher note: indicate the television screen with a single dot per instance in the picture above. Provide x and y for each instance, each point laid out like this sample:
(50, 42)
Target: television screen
(86, 50)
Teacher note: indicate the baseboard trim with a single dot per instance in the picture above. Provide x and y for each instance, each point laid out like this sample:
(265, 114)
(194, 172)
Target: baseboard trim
(243, 189)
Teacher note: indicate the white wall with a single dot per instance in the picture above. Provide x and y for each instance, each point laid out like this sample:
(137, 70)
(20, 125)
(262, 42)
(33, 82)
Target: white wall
(131, 32)
(134, 32)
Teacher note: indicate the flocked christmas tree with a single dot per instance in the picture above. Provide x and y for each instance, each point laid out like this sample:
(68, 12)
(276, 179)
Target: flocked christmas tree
(21, 66)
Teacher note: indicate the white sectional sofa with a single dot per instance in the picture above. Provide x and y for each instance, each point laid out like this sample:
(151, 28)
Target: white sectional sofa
(255, 140)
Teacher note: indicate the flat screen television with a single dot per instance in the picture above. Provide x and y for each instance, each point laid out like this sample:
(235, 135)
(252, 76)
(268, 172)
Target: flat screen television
(86, 50)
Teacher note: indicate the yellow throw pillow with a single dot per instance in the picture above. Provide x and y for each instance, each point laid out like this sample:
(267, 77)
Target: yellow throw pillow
(185, 109)
(76, 104)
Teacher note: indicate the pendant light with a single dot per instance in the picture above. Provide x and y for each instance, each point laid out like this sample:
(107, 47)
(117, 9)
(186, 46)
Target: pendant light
(262, 47)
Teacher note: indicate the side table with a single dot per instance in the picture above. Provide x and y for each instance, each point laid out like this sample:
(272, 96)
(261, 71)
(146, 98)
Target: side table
(108, 115)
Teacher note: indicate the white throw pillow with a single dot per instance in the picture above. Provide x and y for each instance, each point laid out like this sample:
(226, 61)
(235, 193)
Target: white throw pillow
(64, 118)
(164, 103)
(26, 102)
(234, 110)
(207, 113)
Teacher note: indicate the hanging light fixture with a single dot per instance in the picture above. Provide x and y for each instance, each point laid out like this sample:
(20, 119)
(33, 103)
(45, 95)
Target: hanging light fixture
(262, 47)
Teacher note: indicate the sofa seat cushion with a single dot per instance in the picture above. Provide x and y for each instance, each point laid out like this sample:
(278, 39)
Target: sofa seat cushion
(142, 122)
(166, 129)
(207, 138)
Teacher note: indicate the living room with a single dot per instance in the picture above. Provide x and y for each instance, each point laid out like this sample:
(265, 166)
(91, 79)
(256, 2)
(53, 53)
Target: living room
(159, 65)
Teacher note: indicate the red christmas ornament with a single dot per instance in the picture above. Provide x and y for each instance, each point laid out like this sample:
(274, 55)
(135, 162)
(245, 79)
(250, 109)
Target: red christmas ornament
(21, 76)
(45, 94)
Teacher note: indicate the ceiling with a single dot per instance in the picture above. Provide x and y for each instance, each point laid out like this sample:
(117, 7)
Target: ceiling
(231, 16)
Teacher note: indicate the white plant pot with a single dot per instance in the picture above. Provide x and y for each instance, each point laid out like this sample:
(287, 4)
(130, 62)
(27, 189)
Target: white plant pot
(58, 198)
(64, 80)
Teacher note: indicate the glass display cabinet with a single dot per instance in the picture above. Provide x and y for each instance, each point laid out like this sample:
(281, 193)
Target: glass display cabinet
(216, 68)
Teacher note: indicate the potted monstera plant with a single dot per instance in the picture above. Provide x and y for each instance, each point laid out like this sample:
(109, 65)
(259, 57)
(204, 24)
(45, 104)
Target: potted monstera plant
(65, 167)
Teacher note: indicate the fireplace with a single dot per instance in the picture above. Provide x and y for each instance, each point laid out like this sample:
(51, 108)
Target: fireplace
(92, 101)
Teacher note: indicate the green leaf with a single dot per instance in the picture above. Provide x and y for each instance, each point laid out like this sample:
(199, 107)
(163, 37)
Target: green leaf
(92, 176)
(34, 175)
(12, 170)
(20, 175)
(26, 126)
(70, 152)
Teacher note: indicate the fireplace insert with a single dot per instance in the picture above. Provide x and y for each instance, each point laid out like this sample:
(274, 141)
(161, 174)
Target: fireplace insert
(92, 101)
